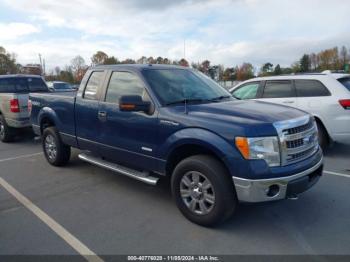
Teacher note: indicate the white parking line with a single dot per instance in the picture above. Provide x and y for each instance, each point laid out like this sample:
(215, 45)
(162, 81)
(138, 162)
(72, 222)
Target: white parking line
(18, 157)
(57, 228)
(336, 174)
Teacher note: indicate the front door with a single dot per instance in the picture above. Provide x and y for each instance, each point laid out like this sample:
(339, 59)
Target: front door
(128, 137)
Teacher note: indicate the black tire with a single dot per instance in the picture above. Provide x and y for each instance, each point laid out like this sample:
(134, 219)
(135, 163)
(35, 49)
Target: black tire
(7, 134)
(225, 200)
(56, 153)
(323, 139)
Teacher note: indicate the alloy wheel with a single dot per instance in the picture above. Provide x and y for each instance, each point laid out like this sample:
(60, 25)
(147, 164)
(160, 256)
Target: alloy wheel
(197, 192)
(50, 147)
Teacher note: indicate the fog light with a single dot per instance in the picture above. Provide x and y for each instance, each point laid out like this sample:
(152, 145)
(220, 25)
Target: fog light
(273, 190)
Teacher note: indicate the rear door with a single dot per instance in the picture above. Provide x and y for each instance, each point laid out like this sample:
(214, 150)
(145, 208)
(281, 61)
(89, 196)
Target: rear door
(279, 92)
(87, 122)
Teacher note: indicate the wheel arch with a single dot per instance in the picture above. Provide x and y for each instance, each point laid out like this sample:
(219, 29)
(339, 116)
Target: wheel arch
(47, 117)
(194, 141)
(319, 121)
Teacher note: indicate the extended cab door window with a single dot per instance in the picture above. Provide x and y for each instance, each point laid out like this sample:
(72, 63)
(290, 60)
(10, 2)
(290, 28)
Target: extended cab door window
(279, 92)
(93, 84)
(124, 83)
(247, 91)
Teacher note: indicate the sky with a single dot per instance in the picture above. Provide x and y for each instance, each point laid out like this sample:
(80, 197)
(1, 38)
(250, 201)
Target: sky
(227, 32)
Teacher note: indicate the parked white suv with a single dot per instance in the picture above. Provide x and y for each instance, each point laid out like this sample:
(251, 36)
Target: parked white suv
(326, 96)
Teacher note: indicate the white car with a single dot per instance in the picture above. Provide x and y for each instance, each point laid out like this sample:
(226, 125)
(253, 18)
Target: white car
(326, 96)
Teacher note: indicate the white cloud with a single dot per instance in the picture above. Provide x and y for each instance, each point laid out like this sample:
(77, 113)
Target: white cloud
(12, 31)
(224, 31)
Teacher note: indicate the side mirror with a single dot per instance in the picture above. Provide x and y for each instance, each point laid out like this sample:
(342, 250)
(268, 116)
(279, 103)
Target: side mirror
(134, 103)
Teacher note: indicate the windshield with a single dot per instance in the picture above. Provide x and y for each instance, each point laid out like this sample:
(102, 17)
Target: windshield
(61, 86)
(173, 86)
(345, 81)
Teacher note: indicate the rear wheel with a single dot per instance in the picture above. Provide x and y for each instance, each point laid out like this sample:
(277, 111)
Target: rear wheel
(6, 132)
(203, 190)
(56, 153)
(322, 135)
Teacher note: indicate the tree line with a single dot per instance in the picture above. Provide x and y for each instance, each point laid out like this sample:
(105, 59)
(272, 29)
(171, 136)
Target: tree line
(328, 59)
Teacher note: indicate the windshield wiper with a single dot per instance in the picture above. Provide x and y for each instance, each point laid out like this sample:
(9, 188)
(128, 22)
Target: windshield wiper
(184, 101)
(237, 97)
(219, 98)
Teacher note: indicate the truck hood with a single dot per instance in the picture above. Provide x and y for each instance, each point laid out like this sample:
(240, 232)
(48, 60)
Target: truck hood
(245, 111)
(247, 118)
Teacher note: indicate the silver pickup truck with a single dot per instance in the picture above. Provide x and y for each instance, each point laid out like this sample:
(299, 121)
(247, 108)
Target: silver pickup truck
(14, 95)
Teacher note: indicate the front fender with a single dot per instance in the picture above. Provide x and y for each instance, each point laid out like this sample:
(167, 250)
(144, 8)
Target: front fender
(201, 137)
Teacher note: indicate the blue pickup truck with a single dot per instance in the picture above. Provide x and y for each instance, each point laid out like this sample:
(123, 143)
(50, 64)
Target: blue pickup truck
(149, 121)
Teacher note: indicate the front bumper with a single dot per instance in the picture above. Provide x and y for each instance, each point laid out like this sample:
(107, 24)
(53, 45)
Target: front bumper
(262, 190)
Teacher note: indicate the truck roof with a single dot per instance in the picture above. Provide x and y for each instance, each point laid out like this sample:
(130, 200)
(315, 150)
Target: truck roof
(20, 75)
(140, 66)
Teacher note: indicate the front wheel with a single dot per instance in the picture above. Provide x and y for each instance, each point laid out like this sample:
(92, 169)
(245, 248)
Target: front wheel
(56, 153)
(203, 190)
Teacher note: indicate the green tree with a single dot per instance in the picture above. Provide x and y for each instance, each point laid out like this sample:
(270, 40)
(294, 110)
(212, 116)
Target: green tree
(99, 58)
(277, 70)
(183, 62)
(305, 63)
(266, 69)
(151, 60)
(128, 61)
(8, 63)
(344, 57)
(160, 60)
(245, 71)
(111, 61)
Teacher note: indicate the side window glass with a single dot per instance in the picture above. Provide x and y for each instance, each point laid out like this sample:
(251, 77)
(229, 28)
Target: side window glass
(7, 85)
(309, 88)
(278, 89)
(125, 83)
(36, 85)
(248, 91)
(95, 81)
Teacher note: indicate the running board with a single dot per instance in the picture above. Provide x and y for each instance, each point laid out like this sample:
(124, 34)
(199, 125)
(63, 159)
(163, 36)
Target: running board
(141, 176)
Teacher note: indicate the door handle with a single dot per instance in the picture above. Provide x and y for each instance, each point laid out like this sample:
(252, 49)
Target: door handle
(102, 115)
(288, 102)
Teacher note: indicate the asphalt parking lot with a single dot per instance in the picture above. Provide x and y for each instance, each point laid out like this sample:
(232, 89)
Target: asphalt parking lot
(113, 214)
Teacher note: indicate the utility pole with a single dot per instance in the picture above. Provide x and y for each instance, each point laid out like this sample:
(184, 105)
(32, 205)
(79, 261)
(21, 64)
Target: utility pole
(44, 67)
(41, 63)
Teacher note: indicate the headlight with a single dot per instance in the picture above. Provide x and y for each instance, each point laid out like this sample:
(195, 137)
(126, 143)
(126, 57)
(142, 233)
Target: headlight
(266, 148)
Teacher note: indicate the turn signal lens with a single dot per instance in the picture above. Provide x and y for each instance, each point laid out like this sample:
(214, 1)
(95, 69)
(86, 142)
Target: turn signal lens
(243, 146)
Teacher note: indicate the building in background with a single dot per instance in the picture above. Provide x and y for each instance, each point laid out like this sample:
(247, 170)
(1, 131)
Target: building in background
(32, 69)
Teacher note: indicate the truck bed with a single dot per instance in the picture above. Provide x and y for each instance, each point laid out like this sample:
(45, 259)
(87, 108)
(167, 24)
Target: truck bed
(59, 106)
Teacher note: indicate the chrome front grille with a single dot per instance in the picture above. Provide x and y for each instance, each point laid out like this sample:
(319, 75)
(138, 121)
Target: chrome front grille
(298, 139)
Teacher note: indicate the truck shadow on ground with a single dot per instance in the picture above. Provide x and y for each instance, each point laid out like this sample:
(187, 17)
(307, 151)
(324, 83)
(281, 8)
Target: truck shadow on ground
(314, 207)
(338, 150)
